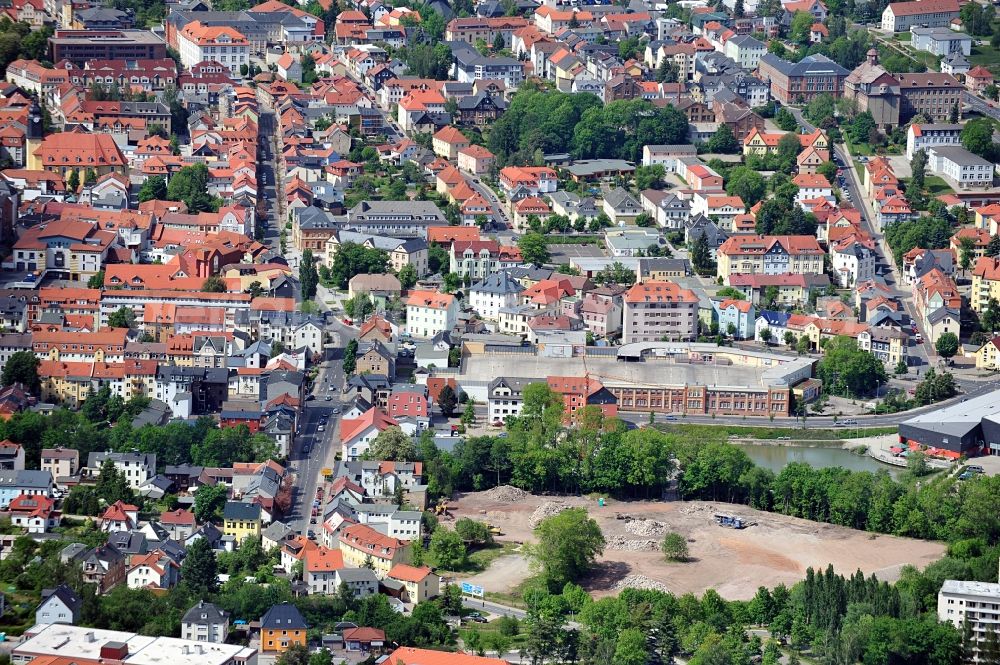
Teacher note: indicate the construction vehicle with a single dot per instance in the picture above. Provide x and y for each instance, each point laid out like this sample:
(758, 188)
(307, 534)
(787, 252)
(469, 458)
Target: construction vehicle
(732, 522)
(494, 529)
(441, 508)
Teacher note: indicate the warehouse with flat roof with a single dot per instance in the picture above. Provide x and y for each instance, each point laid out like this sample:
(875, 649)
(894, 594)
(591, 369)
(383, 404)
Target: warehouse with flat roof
(965, 427)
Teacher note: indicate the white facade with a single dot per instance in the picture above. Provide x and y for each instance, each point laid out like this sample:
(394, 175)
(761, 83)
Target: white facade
(928, 136)
(963, 167)
(853, 264)
(428, 320)
(227, 47)
(745, 51)
(976, 602)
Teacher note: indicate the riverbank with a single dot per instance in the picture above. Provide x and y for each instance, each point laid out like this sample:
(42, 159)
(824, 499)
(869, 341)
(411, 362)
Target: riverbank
(778, 435)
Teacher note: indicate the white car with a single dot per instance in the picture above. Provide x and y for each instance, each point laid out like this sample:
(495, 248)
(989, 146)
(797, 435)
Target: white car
(321, 428)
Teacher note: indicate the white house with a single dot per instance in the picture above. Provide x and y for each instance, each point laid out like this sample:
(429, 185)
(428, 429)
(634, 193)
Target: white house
(59, 605)
(967, 170)
(205, 622)
(853, 261)
(813, 186)
(745, 50)
(357, 434)
(925, 137)
(222, 44)
(497, 290)
(430, 312)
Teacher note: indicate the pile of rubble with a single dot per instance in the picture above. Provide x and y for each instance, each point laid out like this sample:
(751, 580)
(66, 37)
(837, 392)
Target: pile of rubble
(640, 582)
(506, 494)
(547, 509)
(624, 544)
(649, 528)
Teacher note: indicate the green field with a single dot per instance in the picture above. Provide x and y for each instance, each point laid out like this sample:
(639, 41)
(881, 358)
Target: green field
(987, 56)
(936, 186)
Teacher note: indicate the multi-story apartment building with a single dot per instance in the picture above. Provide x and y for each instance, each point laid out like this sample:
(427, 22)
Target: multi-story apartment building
(771, 255)
(481, 258)
(966, 169)
(198, 43)
(430, 312)
(363, 546)
(656, 311)
(973, 604)
(985, 283)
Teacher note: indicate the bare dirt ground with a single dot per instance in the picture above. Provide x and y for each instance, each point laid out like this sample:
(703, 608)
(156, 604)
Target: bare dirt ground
(733, 562)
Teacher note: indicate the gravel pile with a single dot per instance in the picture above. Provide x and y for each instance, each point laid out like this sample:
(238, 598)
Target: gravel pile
(496, 515)
(506, 494)
(547, 509)
(624, 544)
(640, 582)
(646, 528)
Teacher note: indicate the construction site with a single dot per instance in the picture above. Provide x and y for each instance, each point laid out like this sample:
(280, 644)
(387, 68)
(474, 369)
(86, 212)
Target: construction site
(733, 549)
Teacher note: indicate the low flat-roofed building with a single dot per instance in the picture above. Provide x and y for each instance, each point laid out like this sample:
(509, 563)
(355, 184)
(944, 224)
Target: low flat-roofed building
(95, 644)
(663, 377)
(966, 427)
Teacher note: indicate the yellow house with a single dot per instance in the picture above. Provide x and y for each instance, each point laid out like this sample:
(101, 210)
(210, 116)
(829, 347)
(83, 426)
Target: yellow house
(282, 627)
(241, 520)
(363, 546)
(988, 355)
(985, 283)
(761, 143)
(420, 583)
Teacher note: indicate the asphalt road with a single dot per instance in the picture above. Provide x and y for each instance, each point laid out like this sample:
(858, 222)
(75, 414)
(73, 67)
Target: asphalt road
(980, 106)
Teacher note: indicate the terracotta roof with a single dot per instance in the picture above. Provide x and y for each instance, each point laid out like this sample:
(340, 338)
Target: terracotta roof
(352, 427)
(414, 656)
(659, 292)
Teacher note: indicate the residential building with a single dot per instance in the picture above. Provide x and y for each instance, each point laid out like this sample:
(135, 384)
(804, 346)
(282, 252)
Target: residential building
(205, 622)
(35, 513)
(988, 355)
(281, 627)
(967, 170)
(198, 43)
(60, 462)
(736, 317)
(104, 567)
(875, 90)
(319, 570)
(940, 41)
(419, 583)
(886, 344)
(241, 520)
(985, 283)
(429, 313)
(59, 605)
(153, 570)
(853, 260)
(769, 255)
(24, 482)
(364, 547)
(79, 46)
(136, 467)
(928, 136)
(659, 310)
(489, 295)
(972, 607)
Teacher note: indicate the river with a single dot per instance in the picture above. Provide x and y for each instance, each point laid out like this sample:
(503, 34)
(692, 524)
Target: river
(819, 456)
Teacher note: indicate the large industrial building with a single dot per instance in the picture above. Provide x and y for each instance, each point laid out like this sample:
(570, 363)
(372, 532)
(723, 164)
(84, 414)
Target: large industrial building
(966, 427)
(660, 377)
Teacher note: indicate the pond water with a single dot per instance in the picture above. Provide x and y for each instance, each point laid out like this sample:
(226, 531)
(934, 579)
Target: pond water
(776, 457)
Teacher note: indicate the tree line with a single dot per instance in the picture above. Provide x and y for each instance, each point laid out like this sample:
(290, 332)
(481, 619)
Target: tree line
(597, 454)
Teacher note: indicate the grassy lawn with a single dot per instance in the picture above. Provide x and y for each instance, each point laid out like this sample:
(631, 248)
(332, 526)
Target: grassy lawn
(936, 186)
(902, 36)
(480, 559)
(859, 149)
(987, 56)
(708, 432)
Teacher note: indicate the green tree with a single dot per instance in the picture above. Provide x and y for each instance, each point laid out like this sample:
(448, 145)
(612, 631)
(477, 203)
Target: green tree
(214, 284)
(308, 276)
(407, 276)
(190, 185)
(649, 177)
(946, 345)
(96, 280)
(392, 444)
(359, 306)
(977, 138)
(295, 654)
(473, 532)
(785, 120)
(209, 500)
(533, 248)
(447, 401)
(73, 181)
(849, 371)
(701, 257)
(568, 544)
(447, 549)
(616, 273)
(674, 547)
(353, 259)
(112, 485)
(349, 360)
(747, 184)
(469, 413)
(199, 570)
(22, 367)
(828, 170)
(723, 141)
(630, 648)
(155, 188)
(123, 317)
